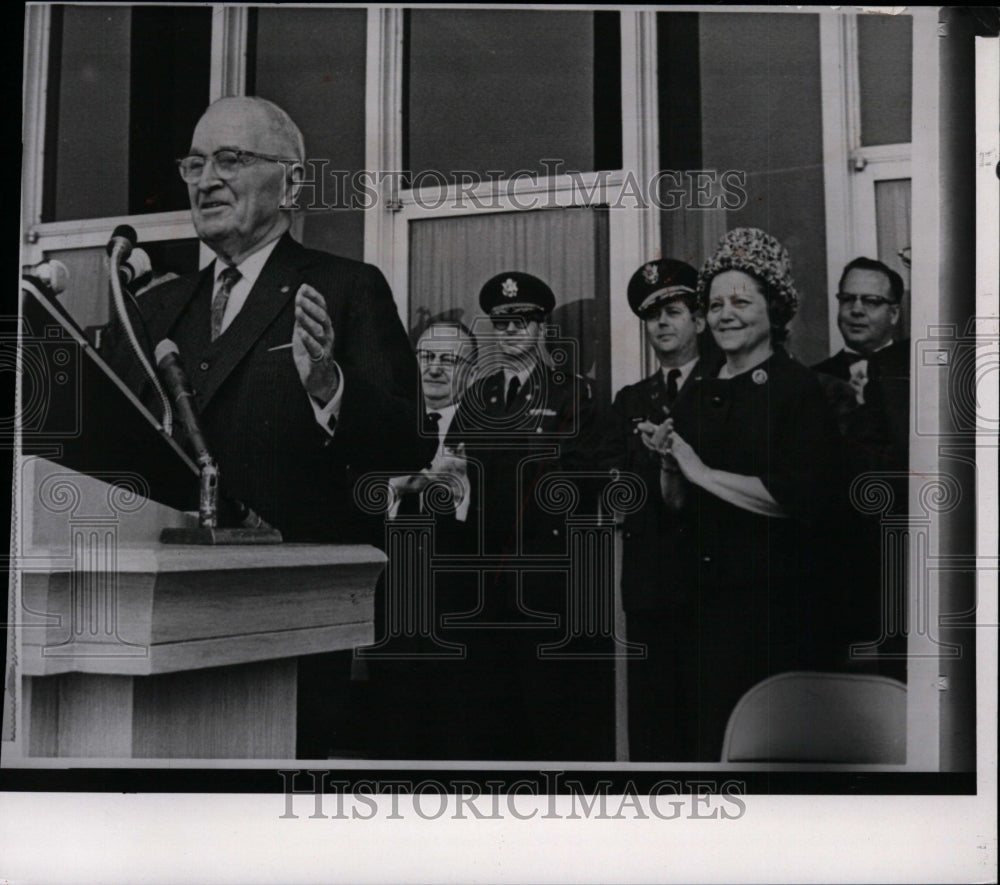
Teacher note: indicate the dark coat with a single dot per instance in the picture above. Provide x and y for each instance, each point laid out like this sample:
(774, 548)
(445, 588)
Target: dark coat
(876, 433)
(257, 418)
(773, 423)
(653, 537)
(550, 427)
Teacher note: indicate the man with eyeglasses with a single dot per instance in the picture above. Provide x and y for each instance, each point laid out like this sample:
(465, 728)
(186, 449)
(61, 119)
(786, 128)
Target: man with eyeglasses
(876, 367)
(302, 371)
(868, 382)
(655, 597)
(303, 375)
(410, 680)
(446, 355)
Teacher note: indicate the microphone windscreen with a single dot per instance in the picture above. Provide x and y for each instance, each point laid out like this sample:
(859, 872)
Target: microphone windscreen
(140, 264)
(54, 273)
(164, 349)
(123, 232)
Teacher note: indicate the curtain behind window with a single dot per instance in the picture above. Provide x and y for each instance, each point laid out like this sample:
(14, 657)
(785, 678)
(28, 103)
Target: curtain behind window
(451, 258)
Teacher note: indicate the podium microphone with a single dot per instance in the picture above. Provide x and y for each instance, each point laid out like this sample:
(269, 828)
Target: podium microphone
(136, 271)
(119, 247)
(171, 369)
(122, 242)
(252, 529)
(51, 277)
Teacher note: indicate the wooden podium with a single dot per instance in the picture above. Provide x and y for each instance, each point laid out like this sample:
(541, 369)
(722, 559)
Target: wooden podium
(129, 648)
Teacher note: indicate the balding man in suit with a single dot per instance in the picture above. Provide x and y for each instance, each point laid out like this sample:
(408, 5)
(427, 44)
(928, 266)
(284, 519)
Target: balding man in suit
(303, 375)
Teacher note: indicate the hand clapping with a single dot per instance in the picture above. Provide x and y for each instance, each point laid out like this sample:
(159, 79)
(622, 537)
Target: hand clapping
(656, 437)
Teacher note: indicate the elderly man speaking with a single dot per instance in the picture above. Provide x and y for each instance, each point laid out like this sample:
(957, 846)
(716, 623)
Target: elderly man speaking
(302, 372)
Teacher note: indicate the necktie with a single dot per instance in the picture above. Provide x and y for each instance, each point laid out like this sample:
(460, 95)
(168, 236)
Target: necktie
(431, 422)
(227, 279)
(512, 389)
(673, 379)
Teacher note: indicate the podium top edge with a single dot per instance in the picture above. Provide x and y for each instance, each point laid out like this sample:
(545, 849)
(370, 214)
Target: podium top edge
(156, 557)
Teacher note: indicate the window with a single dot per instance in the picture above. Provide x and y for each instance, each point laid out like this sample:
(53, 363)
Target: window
(126, 87)
(504, 90)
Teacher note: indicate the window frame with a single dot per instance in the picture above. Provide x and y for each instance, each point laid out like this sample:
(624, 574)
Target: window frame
(227, 77)
(634, 234)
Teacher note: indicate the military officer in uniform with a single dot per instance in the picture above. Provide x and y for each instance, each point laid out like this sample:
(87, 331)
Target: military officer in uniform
(662, 294)
(527, 417)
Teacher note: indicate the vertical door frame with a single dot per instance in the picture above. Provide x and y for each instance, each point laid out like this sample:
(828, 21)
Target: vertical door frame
(851, 170)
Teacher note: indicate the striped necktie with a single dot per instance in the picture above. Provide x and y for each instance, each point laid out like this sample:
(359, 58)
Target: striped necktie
(227, 279)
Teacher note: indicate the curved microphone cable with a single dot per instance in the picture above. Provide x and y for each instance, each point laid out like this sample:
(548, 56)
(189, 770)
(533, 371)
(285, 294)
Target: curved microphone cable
(120, 245)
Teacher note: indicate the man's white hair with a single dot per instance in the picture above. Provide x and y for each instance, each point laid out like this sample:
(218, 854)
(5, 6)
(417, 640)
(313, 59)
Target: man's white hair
(279, 122)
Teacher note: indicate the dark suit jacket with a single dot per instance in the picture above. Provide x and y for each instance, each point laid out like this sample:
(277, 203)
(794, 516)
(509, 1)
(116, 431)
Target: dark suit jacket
(653, 536)
(877, 433)
(258, 420)
(550, 426)
(452, 535)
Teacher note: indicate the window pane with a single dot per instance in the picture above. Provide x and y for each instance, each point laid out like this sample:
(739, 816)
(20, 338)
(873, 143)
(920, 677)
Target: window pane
(502, 90)
(885, 76)
(892, 225)
(761, 112)
(324, 92)
(126, 86)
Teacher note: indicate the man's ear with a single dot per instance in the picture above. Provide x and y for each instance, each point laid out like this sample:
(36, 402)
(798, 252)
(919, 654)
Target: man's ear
(896, 311)
(699, 323)
(295, 174)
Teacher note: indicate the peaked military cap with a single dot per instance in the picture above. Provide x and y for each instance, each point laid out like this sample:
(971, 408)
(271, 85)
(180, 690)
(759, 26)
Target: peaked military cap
(660, 281)
(515, 292)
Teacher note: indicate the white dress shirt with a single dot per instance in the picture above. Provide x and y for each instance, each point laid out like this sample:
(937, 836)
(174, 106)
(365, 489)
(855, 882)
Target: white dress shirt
(685, 372)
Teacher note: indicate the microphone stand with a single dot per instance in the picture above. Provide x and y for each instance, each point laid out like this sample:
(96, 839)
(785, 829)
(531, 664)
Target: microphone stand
(117, 252)
(250, 528)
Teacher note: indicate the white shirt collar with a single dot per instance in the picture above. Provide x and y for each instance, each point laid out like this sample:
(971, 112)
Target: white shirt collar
(685, 371)
(444, 422)
(522, 375)
(888, 343)
(250, 267)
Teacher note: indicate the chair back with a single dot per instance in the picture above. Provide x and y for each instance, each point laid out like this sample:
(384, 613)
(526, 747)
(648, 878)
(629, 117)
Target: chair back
(819, 717)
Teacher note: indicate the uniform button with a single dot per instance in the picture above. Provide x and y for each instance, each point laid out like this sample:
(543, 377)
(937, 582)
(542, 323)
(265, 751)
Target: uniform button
(555, 532)
(706, 559)
(628, 534)
(203, 367)
(538, 430)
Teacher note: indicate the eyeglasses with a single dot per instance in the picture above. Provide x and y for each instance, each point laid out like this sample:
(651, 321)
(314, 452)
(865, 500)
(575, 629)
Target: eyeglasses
(502, 323)
(868, 302)
(445, 359)
(227, 163)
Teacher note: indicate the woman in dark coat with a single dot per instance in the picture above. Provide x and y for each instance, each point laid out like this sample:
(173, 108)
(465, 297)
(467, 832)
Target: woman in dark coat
(756, 458)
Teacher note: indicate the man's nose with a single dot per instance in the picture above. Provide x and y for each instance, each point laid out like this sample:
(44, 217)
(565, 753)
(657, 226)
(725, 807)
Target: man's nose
(209, 177)
(857, 308)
